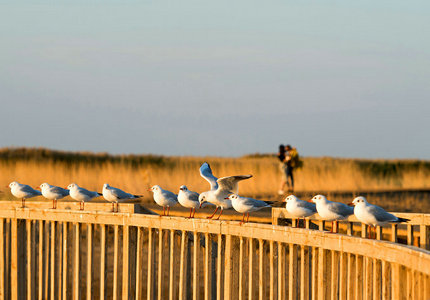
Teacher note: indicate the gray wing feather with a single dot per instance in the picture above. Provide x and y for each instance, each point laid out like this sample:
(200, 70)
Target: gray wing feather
(341, 208)
(29, 189)
(381, 215)
(59, 190)
(230, 183)
(88, 193)
(255, 202)
(307, 205)
(120, 194)
(206, 173)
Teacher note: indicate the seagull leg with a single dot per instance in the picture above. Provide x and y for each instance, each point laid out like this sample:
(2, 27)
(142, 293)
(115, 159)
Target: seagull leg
(220, 213)
(113, 209)
(243, 219)
(194, 212)
(168, 210)
(23, 202)
(210, 217)
(117, 207)
(247, 219)
(191, 211)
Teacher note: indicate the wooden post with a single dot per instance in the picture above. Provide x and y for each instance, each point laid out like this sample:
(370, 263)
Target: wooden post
(76, 277)
(271, 271)
(343, 275)
(425, 237)
(385, 280)
(196, 247)
(334, 275)
(30, 263)
(315, 279)
(367, 289)
(281, 271)
(304, 273)
(218, 267)
(350, 228)
(125, 261)
(151, 265)
(410, 234)
(323, 287)
(251, 269)
(171, 265)
(40, 263)
(139, 263)
(89, 259)
(358, 277)
(377, 279)
(65, 253)
(160, 264)
(2, 264)
(115, 262)
(103, 261)
(241, 291)
(292, 273)
(351, 276)
(207, 267)
(394, 233)
(14, 259)
(261, 273)
(228, 267)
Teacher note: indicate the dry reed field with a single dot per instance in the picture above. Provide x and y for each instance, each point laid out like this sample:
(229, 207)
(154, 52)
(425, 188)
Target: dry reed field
(136, 173)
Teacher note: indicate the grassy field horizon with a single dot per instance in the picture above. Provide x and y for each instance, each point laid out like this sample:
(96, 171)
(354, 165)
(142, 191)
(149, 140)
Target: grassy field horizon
(136, 173)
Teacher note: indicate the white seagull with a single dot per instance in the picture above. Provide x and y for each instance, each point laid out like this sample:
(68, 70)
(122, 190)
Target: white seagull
(164, 198)
(80, 194)
(373, 215)
(220, 189)
(299, 208)
(331, 211)
(52, 192)
(188, 199)
(22, 191)
(246, 205)
(114, 195)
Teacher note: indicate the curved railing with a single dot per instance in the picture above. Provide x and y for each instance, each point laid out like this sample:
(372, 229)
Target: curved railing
(52, 254)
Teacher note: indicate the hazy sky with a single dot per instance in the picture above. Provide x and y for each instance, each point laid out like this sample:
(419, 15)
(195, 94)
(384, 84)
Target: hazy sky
(225, 78)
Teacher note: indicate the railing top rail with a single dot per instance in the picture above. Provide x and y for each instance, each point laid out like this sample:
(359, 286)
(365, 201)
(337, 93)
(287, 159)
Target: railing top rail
(415, 218)
(411, 257)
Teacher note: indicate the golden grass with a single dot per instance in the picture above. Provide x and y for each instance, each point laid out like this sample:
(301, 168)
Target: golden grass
(318, 174)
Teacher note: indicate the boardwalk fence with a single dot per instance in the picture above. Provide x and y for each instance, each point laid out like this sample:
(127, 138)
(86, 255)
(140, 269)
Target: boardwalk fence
(72, 254)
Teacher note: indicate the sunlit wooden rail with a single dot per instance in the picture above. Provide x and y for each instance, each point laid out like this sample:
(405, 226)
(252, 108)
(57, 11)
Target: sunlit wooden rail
(72, 254)
(415, 232)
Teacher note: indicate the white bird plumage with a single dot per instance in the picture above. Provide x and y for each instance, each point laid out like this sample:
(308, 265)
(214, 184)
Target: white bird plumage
(220, 189)
(331, 211)
(114, 195)
(299, 208)
(54, 193)
(164, 198)
(80, 194)
(188, 199)
(246, 205)
(23, 191)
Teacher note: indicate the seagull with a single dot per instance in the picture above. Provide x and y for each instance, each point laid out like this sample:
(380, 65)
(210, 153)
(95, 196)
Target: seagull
(164, 198)
(114, 195)
(22, 191)
(54, 193)
(373, 215)
(332, 211)
(220, 189)
(188, 199)
(246, 205)
(80, 194)
(299, 208)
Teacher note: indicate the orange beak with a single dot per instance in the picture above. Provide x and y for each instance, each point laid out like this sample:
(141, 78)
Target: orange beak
(351, 204)
(37, 187)
(149, 190)
(310, 200)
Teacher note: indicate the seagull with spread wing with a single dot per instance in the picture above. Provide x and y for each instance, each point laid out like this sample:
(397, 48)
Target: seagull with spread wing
(220, 189)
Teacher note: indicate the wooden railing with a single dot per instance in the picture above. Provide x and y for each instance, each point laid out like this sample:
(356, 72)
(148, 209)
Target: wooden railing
(66, 253)
(415, 232)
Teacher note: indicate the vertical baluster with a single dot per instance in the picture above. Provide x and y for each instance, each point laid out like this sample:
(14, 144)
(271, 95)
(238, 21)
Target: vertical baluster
(241, 292)
(182, 265)
(14, 259)
(367, 289)
(315, 279)
(218, 269)
(396, 281)
(30, 263)
(59, 259)
(272, 272)
(76, 279)
(115, 261)
(151, 265)
(207, 271)
(196, 247)
(394, 233)
(292, 273)
(228, 267)
(343, 275)
(410, 234)
(385, 280)
(102, 261)
(323, 287)
(281, 271)
(138, 263)
(350, 228)
(425, 237)
(160, 264)
(64, 272)
(351, 276)
(261, 270)
(378, 233)
(47, 260)
(304, 273)
(364, 230)
(125, 261)
(358, 277)
(40, 264)
(334, 274)
(377, 279)
(52, 289)
(89, 259)
(251, 269)
(171, 264)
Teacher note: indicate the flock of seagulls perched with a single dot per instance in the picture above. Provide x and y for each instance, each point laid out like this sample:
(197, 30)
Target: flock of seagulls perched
(223, 194)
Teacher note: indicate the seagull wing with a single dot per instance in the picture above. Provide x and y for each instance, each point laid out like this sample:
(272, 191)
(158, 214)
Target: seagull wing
(381, 214)
(120, 194)
(59, 190)
(254, 202)
(341, 209)
(206, 173)
(307, 205)
(29, 189)
(230, 183)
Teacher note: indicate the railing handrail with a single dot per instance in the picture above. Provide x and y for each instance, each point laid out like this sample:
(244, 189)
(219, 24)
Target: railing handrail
(415, 218)
(411, 257)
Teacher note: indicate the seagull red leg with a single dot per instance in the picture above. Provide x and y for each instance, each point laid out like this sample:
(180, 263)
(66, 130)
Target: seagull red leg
(247, 219)
(211, 216)
(220, 214)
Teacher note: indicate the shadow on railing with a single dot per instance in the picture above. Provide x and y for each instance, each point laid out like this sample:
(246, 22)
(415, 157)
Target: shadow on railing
(66, 253)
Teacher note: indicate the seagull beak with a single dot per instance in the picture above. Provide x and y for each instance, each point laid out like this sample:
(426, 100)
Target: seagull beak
(310, 200)
(200, 206)
(37, 187)
(149, 190)
(351, 204)
(7, 186)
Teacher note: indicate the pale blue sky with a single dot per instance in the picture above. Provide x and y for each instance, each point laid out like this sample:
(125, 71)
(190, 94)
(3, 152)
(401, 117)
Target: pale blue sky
(227, 78)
